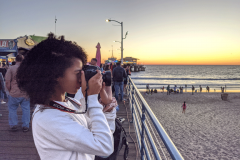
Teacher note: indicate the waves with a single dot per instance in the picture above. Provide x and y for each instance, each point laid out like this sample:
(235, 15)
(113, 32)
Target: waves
(213, 76)
(193, 79)
(188, 85)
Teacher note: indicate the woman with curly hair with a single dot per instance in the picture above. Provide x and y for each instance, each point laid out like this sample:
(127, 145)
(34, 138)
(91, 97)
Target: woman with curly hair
(49, 70)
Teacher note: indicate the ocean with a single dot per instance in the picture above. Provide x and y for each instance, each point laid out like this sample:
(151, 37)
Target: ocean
(215, 77)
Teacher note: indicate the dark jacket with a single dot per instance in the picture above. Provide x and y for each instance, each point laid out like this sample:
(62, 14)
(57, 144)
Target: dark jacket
(118, 74)
(3, 71)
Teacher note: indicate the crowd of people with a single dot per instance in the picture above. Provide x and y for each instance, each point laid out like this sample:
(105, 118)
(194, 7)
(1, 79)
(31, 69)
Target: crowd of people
(82, 112)
(175, 89)
(119, 74)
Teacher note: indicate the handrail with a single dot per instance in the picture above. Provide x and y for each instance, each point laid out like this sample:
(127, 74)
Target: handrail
(140, 109)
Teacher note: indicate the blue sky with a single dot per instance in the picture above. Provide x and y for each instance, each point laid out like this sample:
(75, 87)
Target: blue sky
(159, 31)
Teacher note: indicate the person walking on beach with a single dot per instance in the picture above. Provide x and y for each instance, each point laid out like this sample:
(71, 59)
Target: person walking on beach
(147, 88)
(175, 89)
(168, 90)
(184, 107)
(200, 89)
(222, 89)
(193, 89)
(181, 89)
(207, 89)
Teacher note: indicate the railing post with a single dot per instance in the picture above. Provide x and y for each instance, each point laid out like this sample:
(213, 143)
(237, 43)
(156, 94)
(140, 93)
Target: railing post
(128, 88)
(142, 136)
(132, 103)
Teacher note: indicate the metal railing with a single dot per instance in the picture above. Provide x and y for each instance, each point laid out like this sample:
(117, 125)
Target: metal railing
(153, 141)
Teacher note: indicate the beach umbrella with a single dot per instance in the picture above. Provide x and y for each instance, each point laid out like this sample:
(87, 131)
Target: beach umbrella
(98, 54)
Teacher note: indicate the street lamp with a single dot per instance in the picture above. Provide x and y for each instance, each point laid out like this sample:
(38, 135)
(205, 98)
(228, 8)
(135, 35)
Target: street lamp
(117, 41)
(109, 20)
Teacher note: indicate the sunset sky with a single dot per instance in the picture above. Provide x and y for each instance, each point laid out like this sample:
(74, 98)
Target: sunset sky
(173, 32)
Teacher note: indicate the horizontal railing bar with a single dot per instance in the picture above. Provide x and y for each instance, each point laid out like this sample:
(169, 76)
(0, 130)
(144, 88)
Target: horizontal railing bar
(155, 151)
(175, 154)
(147, 121)
(146, 149)
(138, 134)
(137, 117)
(138, 108)
(138, 125)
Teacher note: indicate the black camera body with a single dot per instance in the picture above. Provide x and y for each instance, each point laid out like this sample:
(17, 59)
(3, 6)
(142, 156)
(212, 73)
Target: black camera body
(90, 71)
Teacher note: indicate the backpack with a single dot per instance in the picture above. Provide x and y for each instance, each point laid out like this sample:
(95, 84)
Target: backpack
(1, 85)
(120, 139)
(118, 74)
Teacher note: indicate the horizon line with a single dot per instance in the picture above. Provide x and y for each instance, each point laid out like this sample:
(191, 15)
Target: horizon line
(190, 64)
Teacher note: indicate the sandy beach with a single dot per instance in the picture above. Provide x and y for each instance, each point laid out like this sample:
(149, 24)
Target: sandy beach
(210, 128)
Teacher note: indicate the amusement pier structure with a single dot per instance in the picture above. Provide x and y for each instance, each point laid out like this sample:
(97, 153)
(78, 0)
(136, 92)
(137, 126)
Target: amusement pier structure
(128, 61)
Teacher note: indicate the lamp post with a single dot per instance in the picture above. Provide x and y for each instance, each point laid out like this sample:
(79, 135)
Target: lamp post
(109, 20)
(55, 24)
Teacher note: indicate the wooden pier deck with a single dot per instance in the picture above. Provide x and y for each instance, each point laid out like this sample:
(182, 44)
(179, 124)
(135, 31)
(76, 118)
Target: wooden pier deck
(20, 146)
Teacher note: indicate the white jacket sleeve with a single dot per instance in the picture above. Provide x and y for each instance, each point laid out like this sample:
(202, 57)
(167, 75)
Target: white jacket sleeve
(110, 116)
(63, 133)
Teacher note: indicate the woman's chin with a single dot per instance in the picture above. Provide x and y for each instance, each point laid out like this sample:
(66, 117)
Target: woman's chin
(73, 92)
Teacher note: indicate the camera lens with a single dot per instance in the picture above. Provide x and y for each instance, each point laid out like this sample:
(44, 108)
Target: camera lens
(90, 71)
(107, 78)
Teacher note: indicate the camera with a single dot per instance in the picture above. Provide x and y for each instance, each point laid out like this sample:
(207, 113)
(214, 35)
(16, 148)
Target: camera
(90, 71)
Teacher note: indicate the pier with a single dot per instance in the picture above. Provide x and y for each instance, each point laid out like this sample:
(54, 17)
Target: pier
(146, 137)
(137, 68)
(20, 145)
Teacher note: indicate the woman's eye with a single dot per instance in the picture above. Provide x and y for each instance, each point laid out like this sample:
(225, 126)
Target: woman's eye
(79, 75)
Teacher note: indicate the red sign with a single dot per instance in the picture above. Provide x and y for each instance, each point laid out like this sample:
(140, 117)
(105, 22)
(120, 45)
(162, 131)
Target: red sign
(6, 43)
(3, 43)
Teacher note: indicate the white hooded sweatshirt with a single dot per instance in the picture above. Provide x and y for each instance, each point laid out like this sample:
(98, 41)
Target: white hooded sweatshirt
(66, 136)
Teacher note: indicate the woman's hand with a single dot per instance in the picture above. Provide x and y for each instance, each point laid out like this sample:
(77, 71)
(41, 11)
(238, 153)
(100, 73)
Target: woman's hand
(106, 98)
(94, 83)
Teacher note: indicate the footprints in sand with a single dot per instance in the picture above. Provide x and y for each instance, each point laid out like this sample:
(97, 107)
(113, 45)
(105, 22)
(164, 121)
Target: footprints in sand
(210, 129)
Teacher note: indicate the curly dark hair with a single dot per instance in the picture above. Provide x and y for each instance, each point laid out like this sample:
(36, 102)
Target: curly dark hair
(44, 64)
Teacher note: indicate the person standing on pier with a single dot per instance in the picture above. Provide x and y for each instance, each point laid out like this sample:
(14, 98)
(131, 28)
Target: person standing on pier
(17, 97)
(61, 129)
(94, 63)
(118, 75)
(2, 89)
(126, 79)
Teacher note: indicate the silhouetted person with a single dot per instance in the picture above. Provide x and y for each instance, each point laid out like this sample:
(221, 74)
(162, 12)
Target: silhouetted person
(193, 88)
